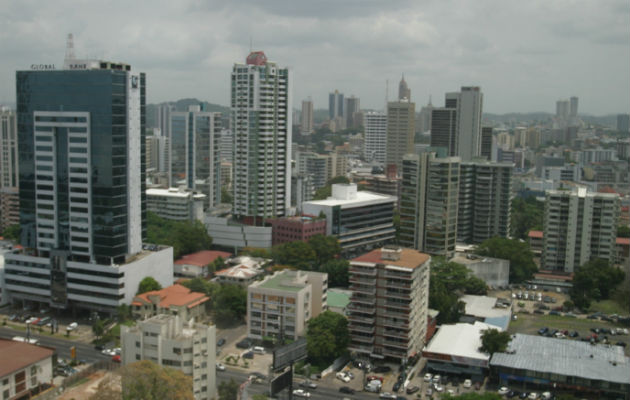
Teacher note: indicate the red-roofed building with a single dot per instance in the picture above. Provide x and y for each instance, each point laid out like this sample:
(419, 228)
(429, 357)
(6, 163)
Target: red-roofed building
(196, 264)
(622, 250)
(291, 229)
(24, 368)
(535, 239)
(175, 300)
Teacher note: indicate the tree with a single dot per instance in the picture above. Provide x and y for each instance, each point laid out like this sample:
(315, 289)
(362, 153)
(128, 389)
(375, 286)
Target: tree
(324, 192)
(228, 390)
(124, 312)
(216, 265)
(149, 381)
(327, 337)
(494, 341)
(594, 280)
(255, 252)
(623, 231)
(527, 214)
(230, 304)
(226, 196)
(12, 232)
(184, 236)
(337, 271)
(98, 328)
(148, 284)
(325, 248)
(297, 254)
(522, 266)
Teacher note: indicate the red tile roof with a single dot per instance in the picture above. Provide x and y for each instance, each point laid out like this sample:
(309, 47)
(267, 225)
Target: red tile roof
(535, 234)
(202, 258)
(176, 295)
(18, 355)
(623, 241)
(409, 258)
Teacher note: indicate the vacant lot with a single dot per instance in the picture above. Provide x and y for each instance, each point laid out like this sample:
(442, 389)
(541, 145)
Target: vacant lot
(531, 323)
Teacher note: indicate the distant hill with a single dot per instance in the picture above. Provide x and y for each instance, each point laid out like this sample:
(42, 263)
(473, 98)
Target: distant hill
(512, 118)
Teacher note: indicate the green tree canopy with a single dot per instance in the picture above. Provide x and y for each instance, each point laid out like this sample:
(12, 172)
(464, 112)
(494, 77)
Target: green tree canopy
(148, 284)
(228, 390)
(98, 328)
(327, 337)
(494, 341)
(337, 270)
(230, 305)
(12, 232)
(255, 252)
(527, 214)
(149, 381)
(184, 236)
(623, 231)
(522, 266)
(297, 254)
(325, 248)
(594, 280)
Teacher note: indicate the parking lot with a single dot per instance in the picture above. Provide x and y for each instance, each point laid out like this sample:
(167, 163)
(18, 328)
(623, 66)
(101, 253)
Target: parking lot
(41, 320)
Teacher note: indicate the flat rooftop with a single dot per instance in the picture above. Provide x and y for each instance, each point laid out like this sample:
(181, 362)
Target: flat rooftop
(409, 258)
(362, 198)
(467, 259)
(565, 357)
(284, 281)
(459, 340)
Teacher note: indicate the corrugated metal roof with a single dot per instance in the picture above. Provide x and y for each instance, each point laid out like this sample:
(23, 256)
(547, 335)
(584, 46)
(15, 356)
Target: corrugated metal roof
(565, 357)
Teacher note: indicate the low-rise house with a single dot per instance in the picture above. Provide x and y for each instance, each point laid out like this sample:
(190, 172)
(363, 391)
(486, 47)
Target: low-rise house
(24, 368)
(174, 300)
(196, 264)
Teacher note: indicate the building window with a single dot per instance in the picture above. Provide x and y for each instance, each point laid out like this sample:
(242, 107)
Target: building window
(5, 382)
(137, 356)
(177, 350)
(33, 370)
(5, 395)
(137, 344)
(34, 381)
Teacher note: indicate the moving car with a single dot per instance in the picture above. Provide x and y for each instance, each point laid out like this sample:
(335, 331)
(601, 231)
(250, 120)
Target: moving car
(301, 393)
(346, 390)
(412, 389)
(387, 395)
(308, 384)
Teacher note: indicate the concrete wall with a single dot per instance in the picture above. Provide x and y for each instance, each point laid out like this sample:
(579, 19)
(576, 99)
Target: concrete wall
(238, 236)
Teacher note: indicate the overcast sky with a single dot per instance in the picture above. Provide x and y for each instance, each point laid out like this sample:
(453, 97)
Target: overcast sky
(525, 54)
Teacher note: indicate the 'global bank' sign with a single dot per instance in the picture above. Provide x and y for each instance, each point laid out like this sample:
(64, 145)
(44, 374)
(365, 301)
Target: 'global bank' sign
(42, 67)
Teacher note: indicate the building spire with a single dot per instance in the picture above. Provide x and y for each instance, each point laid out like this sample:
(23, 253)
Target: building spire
(70, 48)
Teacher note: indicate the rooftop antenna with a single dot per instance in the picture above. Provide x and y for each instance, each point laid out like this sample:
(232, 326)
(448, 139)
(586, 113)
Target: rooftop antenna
(70, 47)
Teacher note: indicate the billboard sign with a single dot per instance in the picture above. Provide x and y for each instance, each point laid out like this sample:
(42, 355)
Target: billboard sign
(288, 354)
(281, 382)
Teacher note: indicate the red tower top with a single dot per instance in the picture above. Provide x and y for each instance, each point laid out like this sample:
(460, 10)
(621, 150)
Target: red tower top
(256, 58)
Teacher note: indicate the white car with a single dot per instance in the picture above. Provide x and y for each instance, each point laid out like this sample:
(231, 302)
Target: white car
(625, 331)
(72, 326)
(301, 393)
(343, 377)
(436, 378)
(467, 383)
(428, 377)
(546, 395)
(503, 391)
(220, 367)
(387, 395)
(108, 352)
(533, 396)
(438, 388)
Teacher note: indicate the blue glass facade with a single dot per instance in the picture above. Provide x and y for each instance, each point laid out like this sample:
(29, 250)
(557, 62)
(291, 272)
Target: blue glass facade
(102, 94)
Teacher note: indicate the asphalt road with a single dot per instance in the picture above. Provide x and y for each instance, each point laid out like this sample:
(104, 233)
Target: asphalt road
(84, 351)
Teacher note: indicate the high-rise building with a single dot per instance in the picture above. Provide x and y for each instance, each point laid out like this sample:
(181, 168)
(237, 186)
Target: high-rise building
(388, 310)
(261, 124)
(306, 128)
(401, 119)
(157, 152)
(9, 177)
(314, 165)
(195, 152)
(351, 110)
(429, 203)
(486, 143)
(375, 142)
(81, 146)
(163, 118)
(573, 111)
(424, 121)
(171, 342)
(457, 125)
(485, 191)
(335, 105)
(578, 226)
(623, 123)
(403, 90)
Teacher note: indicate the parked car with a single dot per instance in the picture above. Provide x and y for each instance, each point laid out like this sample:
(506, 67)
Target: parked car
(396, 386)
(503, 390)
(72, 326)
(346, 390)
(108, 352)
(436, 378)
(428, 377)
(308, 384)
(43, 321)
(533, 396)
(412, 389)
(220, 342)
(248, 354)
(116, 358)
(467, 384)
(382, 369)
(220, 367)
(387, 395)
(342, 376)
(375, 378)
(244, 344)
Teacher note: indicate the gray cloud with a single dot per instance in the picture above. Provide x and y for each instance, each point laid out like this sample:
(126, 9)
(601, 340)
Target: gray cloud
(525, 55)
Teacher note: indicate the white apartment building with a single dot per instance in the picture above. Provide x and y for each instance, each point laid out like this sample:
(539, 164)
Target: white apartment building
(361, 220)
(388, 309)
(261, 125)
(375, 140)
(578, 226)
(280, 305)
(171, 342)
(24, 368)
(176, 204)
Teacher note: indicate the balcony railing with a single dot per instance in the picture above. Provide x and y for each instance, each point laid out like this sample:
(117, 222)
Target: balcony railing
(362, 339)
(363, 289)
(362, 271)
(358, 318)
(361, 328)
(363, 300)
(363, 309)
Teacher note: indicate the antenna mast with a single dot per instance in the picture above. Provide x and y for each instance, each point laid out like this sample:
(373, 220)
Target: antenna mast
(70, 47)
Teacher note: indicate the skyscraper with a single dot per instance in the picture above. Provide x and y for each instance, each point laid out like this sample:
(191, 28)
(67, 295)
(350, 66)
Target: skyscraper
(485, 191)
(351, 109)
(401, 119)
(403, 90)
(623, 123)
(457, 126)
(306, 128)
(9, 186)
(429, 203)
(194, 152)
(375, 142)
(82, 188)
(578, 226)
(573, 111)
(424, 121)
(261, 123)
(335, 105)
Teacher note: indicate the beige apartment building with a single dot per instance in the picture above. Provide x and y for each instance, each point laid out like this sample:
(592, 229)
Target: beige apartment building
(280, 305)
(388, 308)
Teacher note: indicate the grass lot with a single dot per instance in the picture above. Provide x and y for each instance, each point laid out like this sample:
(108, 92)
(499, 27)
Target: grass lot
(531, 323)
(607, 307)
